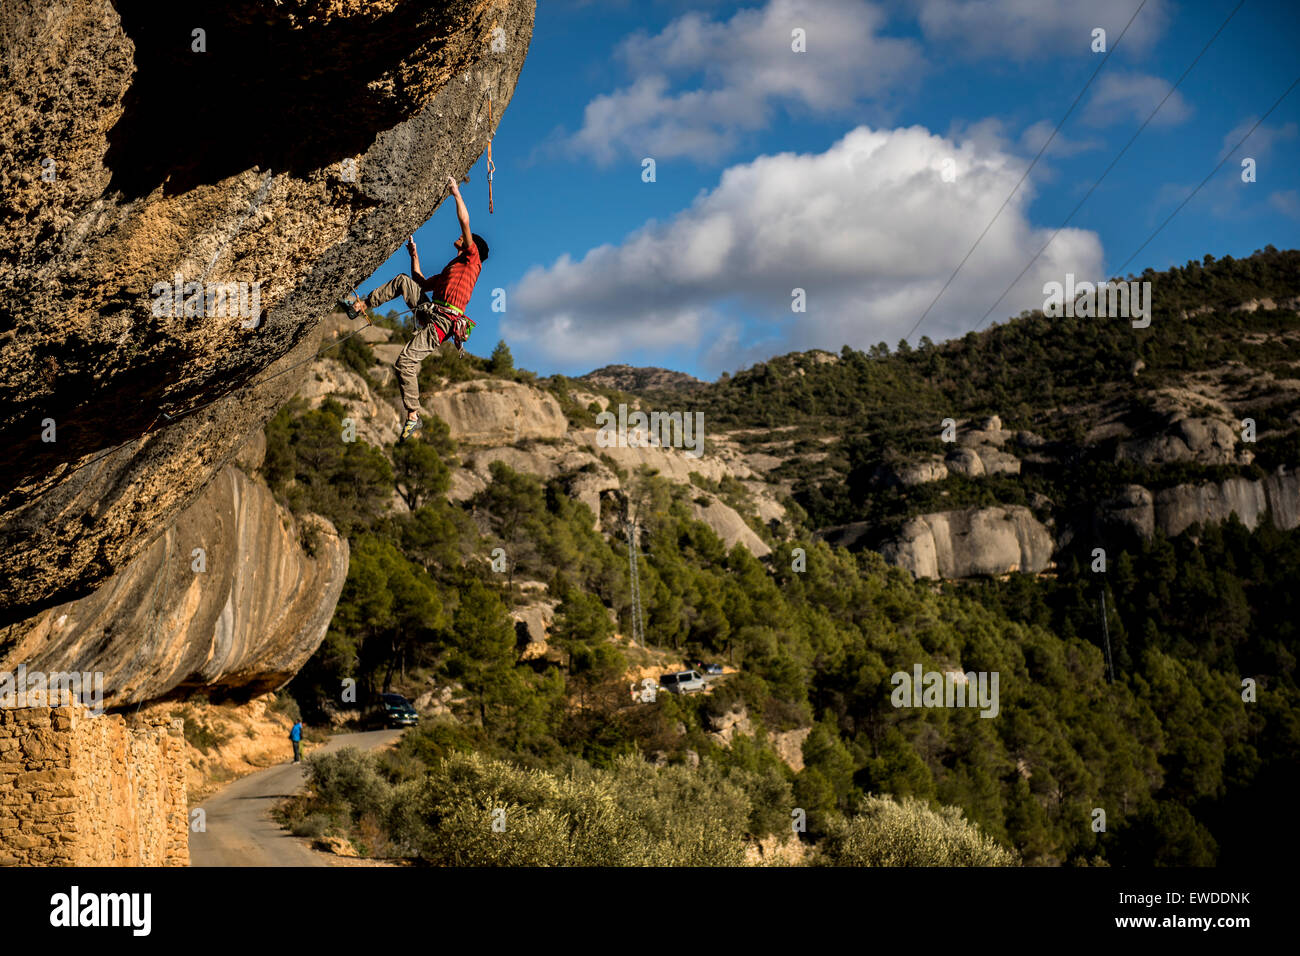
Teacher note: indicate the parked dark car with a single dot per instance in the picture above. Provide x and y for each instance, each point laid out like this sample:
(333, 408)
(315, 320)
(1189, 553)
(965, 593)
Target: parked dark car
(713, 670)
(398, 711)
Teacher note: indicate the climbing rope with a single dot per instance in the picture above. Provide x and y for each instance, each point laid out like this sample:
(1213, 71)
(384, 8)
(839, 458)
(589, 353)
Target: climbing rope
(491, 166)
(170, 419)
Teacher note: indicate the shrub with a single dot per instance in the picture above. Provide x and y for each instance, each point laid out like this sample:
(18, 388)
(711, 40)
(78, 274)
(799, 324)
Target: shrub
(314, 826)
(910, 833)
(203, 737)
(347, 781)
(283, 703)
(356, 354)
(632, 815)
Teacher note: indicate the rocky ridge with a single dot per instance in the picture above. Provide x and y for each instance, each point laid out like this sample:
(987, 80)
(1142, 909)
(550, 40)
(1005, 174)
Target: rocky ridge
(524, 427)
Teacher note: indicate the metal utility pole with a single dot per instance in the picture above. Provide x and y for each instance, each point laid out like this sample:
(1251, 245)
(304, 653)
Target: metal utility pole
(638, 622)
(1105, 631)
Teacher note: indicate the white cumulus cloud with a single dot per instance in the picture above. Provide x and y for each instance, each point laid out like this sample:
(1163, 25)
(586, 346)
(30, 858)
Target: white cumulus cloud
(1130, 97)
(869, 229)
(1030, 29)
(700, 84)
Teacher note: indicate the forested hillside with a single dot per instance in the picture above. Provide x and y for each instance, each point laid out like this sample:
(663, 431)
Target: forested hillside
(1173, 711)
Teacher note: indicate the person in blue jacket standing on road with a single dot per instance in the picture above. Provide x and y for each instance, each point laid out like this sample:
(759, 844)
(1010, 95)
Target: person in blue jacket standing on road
(296, 736)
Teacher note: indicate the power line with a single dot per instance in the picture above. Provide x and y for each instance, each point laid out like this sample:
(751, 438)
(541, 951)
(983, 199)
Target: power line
(1276, 104)
(638, 620)
(1028, 170)
(1117, 158)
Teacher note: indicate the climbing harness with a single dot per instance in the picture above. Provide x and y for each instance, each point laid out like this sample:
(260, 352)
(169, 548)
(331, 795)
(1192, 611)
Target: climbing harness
(455, 323)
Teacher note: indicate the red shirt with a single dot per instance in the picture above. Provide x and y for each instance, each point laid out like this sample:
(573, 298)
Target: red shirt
(455, 283)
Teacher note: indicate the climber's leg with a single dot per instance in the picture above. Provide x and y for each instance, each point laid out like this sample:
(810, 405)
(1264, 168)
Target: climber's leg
(402, 285)
(407, 367)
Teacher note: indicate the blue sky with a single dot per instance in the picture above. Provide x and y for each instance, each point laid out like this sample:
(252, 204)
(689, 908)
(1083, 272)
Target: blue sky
(860, 170)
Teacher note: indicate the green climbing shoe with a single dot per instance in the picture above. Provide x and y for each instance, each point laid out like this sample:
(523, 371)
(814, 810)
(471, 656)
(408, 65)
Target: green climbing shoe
(411, 426)
(353, 310)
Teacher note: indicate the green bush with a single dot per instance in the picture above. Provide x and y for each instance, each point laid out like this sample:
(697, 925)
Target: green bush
(355, 353)
(314, 826)
(910, 833)
(204, 737)
(347, 781)
(632, 815)
(285, 704)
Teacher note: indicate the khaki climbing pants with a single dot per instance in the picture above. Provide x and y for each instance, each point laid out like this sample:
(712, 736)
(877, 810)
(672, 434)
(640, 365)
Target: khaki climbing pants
(424, 344)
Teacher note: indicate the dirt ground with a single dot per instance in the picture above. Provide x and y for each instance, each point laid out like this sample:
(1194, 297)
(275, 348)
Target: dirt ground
(227, 741)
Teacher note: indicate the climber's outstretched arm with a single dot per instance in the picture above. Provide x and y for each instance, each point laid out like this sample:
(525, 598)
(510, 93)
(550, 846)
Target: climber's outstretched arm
(416, 274)
(462, 213)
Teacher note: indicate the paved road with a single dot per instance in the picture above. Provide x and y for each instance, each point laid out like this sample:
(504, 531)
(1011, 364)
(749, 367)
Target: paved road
(240, 831)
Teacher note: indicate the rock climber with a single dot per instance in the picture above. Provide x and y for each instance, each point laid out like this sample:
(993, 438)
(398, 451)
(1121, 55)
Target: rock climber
(437, 320)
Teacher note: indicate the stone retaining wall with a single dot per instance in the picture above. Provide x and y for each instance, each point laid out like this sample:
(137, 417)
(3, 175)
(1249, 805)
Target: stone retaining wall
(82, 790)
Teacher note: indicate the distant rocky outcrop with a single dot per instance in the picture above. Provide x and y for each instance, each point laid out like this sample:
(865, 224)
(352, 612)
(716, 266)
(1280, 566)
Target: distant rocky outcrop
(1251, 305)
(532, 627)
(788, 745)
(524, 428)
(724, 727)
(970, 542)
(1132, 509)
(494, 412)
(728, 525)
(979, 541)
(1179, 507)
(980, 451)
(626, 378)
(977, 452)
(377, 422)
(912, 473)
(1174, 510)
(976, 541)
(1204, 441)
(981, 460)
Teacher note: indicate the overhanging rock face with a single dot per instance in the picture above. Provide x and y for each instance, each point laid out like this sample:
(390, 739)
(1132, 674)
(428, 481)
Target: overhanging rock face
(288, 149)
(225, 601)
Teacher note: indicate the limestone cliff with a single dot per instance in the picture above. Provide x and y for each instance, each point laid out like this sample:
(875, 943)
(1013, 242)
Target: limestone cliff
(977, 541)
(524, 427)
(1174, 510)
(224, 601)
(490, 412)
(286, 148)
